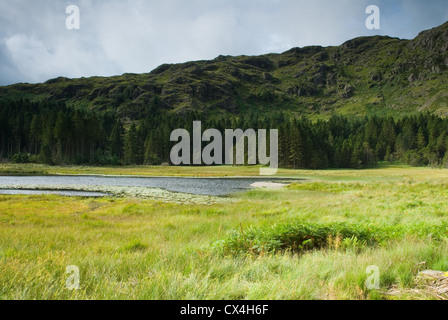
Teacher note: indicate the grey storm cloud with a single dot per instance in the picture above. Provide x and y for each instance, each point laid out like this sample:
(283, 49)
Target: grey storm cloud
(138, 35)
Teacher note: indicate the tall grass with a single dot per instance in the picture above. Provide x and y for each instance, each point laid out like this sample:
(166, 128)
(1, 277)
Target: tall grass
(312, 240)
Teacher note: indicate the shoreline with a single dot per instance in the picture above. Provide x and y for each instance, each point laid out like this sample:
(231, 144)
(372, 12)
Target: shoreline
(147, 193)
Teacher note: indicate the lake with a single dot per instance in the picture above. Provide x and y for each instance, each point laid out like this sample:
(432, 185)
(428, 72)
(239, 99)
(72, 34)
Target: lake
(198, 186)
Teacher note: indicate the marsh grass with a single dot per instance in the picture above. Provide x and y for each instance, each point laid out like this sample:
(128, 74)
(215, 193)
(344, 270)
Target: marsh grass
(143, 249)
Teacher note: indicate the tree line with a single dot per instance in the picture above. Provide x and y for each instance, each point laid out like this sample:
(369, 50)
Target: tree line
(52, 133)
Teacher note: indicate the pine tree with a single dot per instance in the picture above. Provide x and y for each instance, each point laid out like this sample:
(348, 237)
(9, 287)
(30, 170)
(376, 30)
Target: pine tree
(421, 139)
(296, 156)
(116, 141)
(132, 147)
(151, 157)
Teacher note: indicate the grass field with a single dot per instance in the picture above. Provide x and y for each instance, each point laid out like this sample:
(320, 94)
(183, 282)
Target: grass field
(311, 240)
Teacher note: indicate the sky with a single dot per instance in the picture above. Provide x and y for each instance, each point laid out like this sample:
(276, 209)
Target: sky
(136, 36)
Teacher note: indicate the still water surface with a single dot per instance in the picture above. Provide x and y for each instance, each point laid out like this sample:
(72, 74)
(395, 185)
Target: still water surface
(200, 186)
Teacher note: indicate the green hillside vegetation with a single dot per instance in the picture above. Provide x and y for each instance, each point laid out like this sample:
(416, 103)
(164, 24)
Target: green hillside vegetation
(364, 76)
(370, 99)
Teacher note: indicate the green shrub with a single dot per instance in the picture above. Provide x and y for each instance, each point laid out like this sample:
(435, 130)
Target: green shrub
(298, 236)
(21, 157)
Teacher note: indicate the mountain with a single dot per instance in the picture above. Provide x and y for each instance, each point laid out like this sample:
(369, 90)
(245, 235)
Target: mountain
(376, 75)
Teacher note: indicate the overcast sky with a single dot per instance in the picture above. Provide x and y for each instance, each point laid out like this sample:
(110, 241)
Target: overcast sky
(119, 36)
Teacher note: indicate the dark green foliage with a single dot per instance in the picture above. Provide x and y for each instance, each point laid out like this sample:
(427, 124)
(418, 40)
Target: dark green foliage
(298, 236)
(116, 140)
(133, 151)
(53, 133)
(21, 158)
(294, 237)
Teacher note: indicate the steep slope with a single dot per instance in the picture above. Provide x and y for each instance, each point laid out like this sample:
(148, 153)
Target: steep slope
(367, 75)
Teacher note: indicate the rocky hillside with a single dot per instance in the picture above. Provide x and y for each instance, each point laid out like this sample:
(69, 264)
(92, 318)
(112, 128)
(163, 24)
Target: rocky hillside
(367, 75)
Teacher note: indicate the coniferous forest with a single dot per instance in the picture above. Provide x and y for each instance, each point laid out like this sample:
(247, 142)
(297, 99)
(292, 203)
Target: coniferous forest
(51, 133)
